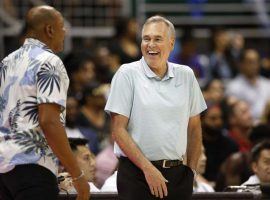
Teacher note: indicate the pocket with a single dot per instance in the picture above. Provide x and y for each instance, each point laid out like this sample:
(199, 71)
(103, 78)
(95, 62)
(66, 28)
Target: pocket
(189, 171)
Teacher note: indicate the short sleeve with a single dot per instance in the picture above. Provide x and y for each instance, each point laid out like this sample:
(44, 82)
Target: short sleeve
(121, 95)
(52, 82)
(197, 102)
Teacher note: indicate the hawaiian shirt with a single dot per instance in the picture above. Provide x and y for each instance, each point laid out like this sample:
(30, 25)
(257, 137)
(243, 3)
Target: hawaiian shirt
(30, 76)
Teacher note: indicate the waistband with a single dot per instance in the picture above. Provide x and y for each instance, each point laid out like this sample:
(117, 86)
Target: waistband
(161, 163)
(167, 163)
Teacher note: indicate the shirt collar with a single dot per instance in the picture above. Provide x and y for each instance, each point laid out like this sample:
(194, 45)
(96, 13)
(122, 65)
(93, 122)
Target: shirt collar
(150, 74)
(35, 42)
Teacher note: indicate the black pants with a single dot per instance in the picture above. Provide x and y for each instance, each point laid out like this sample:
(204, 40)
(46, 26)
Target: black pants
(28, 182)
(131, 183)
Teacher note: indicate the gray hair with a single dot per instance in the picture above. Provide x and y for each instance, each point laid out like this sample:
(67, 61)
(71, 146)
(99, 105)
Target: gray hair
(158, 18)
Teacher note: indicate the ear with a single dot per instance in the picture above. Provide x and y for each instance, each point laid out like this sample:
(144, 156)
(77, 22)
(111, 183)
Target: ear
(172, 42)
(49, 30)
(254, 167)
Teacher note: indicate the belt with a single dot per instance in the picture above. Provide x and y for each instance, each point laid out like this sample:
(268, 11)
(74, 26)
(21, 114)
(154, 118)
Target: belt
(167, 163)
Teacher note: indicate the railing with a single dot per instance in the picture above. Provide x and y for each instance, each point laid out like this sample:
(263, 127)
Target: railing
(196, 196)
(250, 18)
(84, 18)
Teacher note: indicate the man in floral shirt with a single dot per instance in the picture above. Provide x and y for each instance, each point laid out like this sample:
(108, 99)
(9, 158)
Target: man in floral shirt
(33, 88)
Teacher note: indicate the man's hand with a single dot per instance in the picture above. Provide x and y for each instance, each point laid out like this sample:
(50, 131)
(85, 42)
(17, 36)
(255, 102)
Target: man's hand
(156, 182)
(83, 189)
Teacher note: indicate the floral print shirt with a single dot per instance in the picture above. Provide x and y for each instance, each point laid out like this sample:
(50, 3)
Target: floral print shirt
(30, 76)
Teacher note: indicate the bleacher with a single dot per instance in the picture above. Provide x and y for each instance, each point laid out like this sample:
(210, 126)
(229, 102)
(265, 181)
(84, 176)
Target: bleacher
(237, 15)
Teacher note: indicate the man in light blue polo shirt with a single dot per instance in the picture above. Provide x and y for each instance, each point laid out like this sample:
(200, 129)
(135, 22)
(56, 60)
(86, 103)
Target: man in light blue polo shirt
(155, 108)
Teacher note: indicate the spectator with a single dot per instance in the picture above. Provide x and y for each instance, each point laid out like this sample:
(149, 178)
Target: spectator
(92, 115)
(125, 44)
(233, 171)
(189, 56)
(219, 64)
(217, 145)
(260, 164)
(240, 125)
(214, 91)
(81, 71)
(87, 164)
(249, 85)
(74, 130)
(235, 50)
(106, 63)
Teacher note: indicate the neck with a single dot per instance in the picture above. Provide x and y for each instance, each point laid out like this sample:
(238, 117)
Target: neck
(160, 71)
(252, 80)
(92, 109)
(244, 131)
(39, 37)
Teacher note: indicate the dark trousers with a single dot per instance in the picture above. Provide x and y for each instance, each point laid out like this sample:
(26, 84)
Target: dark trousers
(28, 182)
(131, 183)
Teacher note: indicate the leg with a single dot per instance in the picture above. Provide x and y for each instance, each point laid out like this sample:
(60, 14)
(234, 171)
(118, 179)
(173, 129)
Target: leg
(180, 185)
(31, 182)
(131, 184)
(4, 192)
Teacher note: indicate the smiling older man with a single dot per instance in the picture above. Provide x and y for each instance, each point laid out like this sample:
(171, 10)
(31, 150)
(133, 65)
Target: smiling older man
(155, 107)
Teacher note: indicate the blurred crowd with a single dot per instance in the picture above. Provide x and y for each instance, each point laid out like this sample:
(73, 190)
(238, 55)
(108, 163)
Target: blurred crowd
(236, 85)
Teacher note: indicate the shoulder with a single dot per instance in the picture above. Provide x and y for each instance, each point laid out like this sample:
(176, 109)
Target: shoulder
(235, 83)
(182, 69)
(130, 67)
(52, 62)
(183, 73)
(129, 71)
(252, 180)
(52, 58)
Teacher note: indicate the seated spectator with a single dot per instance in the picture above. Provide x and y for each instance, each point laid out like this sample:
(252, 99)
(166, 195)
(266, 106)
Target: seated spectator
(86, 162)
(92, 115)
(233, 171)
(74, 130)
(240, 125)
(218, 146)
(214, 91)
(189, 56)
(125, 44)
(219, 63)
(81, 71)
(249, 85)
(260, 164)
(200, 183)
(106, 64)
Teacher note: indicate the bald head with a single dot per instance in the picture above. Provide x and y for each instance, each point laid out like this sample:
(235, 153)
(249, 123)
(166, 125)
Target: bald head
(46, 24)
(40, 16)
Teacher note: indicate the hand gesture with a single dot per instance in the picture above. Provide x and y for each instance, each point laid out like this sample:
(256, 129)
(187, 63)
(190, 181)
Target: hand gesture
(156, 182)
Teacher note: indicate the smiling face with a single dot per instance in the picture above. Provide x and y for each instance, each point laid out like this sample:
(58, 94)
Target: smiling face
(157, 43)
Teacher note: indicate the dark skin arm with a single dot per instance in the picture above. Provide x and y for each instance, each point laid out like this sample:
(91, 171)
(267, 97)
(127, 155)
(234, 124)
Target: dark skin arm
(49, 120)
(154, 179)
